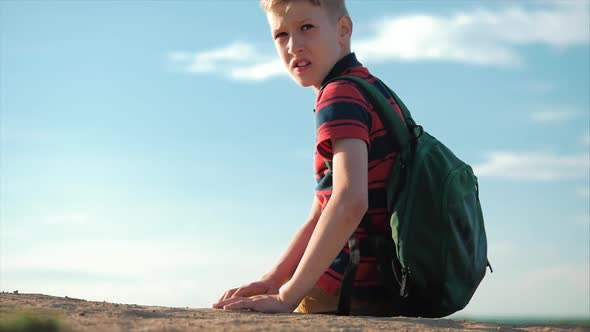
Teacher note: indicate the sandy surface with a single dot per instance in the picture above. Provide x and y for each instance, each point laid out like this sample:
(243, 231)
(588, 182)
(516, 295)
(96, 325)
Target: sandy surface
(82, 315)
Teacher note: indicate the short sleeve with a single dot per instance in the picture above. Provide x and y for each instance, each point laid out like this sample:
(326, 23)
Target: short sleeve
(341, 112)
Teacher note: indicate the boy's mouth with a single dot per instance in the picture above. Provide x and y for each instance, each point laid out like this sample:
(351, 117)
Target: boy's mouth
(301, 64)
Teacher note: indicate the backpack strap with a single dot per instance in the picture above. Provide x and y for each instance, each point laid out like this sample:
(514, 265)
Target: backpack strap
(345, 296)
(403, 133)
(399, 130)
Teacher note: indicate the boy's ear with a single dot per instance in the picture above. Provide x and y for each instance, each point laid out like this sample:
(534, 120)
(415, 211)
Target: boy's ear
(344, 29)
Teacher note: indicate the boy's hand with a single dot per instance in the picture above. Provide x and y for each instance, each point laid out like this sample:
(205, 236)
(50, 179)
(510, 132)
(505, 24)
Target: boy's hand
(255, 288)
(261, 303)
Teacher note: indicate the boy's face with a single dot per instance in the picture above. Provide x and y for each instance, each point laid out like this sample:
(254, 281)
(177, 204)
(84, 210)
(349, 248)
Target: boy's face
(308, 40)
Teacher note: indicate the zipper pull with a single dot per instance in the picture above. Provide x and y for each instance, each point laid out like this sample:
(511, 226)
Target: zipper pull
(403, 291)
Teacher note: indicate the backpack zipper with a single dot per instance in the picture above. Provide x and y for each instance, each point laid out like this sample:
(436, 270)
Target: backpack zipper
(403, 291)
(409, 217)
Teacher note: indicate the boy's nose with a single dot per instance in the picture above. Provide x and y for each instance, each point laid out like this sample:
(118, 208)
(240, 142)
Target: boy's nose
(295, 45)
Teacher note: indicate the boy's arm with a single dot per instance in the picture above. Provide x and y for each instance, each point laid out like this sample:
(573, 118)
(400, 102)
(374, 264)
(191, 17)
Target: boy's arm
(339, 219)
(286, 265)
(341, 216)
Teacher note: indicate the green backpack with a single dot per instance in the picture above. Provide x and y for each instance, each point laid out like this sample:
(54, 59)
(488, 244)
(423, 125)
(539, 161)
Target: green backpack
(438, 255)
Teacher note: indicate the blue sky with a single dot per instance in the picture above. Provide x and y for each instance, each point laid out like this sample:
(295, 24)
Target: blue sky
(156, 153)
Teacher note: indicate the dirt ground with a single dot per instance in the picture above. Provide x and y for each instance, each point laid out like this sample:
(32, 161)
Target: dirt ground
(51, 313)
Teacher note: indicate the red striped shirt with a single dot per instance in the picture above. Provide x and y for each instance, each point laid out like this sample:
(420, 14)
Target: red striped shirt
(341, 111)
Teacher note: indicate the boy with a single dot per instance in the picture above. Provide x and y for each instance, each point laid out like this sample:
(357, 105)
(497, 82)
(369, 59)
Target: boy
(312, 38)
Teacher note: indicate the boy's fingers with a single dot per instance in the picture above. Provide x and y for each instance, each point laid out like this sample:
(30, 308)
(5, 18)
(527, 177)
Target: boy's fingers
(242, 292)
(228, 294)
(219, 304)
(221, 298)
(246, 291)
(223, 303)
(253, 303)
(240, 304)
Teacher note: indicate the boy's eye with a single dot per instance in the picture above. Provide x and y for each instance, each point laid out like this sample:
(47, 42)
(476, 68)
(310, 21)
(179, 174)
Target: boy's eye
(280, 34)
(306, 27)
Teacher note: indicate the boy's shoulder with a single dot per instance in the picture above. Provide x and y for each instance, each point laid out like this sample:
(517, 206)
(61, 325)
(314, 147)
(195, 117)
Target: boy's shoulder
(343, 91)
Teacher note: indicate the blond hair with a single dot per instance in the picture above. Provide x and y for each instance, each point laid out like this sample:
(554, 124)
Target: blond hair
(335, 8)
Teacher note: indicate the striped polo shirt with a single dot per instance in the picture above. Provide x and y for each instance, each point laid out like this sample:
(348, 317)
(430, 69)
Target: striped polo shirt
(341, 111)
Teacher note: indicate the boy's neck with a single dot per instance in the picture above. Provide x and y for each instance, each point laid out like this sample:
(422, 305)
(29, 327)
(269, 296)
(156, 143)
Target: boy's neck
(345, 62)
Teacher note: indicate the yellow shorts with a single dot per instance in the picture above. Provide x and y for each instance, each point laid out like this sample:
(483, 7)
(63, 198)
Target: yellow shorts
(318, 301)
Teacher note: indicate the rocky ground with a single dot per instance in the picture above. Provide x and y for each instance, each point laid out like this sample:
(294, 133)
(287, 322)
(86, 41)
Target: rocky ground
(36, 312)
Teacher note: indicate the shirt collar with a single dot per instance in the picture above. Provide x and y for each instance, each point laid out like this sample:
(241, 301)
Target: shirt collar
(346, 62)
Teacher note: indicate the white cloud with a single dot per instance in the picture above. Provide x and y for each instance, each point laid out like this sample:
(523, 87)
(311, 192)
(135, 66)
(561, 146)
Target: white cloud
(210, 60)
(534, 166)
(478, 37)
(258, 72)
(422, 37)
(481, 37)
(554, 116)
(239, 61)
